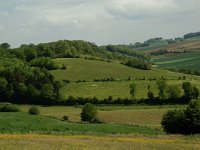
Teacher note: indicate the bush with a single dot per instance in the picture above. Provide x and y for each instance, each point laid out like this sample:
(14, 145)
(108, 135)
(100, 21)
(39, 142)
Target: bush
(173, 121)
(183, 121)
(33, 110)
(89, 113)
(65, 118)
(9, 108)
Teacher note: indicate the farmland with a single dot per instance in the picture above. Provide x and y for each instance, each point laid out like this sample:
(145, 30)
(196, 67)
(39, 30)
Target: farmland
(189, 61)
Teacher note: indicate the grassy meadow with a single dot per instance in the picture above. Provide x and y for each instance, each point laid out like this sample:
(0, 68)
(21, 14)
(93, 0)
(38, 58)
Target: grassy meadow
(108, 142)
(89, 70)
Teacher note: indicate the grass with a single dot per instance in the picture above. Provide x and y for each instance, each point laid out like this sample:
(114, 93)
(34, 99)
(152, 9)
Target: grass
(116, 89)
(24, 123)
(149, 116)
(89, 70)
(108, 142)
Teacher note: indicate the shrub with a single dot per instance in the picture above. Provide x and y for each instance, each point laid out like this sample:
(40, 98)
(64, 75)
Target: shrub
(183, 121)
(9, 108)
(173, 121)
(192, 115)
(33, 110)
(65, 118)
(89, 113)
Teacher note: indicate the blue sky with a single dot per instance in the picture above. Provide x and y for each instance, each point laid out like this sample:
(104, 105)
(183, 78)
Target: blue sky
(99, 21)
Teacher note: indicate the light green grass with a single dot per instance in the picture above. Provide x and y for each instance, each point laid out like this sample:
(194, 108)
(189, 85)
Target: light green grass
(117, 89)
(89, 70)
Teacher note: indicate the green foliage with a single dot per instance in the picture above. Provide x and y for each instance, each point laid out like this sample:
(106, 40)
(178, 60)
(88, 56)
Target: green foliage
(192, 116)
(44, 62)
(190, 91)
(183, 121)
(139, 63)
(174, 122)
(5, 46)
(173, 91)
(9, 108)
(132, 89)
(89, 113)
(162, 85)
(150, 94)
(33, 110)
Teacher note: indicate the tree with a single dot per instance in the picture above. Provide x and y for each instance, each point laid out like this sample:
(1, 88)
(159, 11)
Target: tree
(190, 91)
(89, 113)
(132, 89)
(173, 92)
(192, 115)
(183, 121)
(30, 54)
(187, 88)
(150, 94)
(5, 45)
(195, 92)
(162, 85)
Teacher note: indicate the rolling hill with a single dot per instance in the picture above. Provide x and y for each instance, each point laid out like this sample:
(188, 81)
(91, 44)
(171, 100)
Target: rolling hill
(87, 71)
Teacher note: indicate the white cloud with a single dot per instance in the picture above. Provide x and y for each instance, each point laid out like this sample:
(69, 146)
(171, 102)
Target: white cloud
(100, 21)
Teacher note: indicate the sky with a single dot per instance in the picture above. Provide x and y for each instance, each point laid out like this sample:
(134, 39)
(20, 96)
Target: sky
(100, 21)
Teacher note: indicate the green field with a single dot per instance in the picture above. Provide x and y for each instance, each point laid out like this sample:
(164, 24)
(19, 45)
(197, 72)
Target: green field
(89, 70)
(188, 61)
(125, 127)
(149, 115)
(116, 89)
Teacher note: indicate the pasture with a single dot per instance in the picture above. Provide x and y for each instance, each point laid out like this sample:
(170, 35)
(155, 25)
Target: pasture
(115, 89)
(89, 70)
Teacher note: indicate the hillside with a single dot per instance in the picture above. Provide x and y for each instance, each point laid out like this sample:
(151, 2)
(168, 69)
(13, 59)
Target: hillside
(88, 70)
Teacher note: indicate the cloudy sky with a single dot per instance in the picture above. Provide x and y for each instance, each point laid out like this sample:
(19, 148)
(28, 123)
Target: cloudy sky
(99, 21)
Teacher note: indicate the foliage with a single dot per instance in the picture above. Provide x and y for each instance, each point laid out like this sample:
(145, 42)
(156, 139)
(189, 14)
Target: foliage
(44, 62)
(139, 63)
(191, 35)
(184, 122)
(173, 92)
(132, 89)
(33, 110)
(89, 113)
(162, 85)
(190, 91)
(9, 108)
(174, 121)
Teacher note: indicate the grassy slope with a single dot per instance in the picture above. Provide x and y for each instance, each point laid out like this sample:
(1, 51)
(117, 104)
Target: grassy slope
(81, 69)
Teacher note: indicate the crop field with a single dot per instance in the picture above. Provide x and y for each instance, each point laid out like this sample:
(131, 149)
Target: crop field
(108, 142)
(89, 70)
(188, 61)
